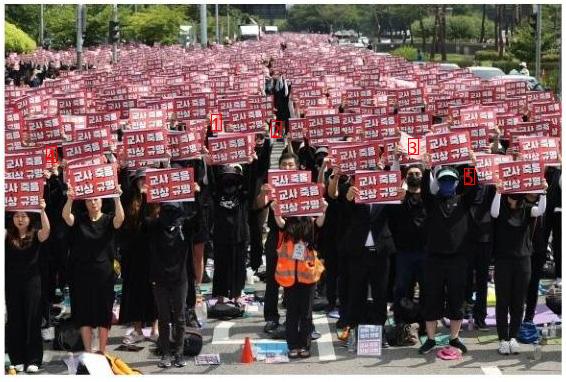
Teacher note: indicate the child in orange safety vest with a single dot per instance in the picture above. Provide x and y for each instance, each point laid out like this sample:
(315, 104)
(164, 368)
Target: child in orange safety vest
(298, 270)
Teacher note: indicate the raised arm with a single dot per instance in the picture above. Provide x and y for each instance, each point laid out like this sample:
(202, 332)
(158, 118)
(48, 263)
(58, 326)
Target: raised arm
(67, 214)
(496, 204)
(278, 219)
(118, 210)
(541, 208)
(43, 233)
(320, 220)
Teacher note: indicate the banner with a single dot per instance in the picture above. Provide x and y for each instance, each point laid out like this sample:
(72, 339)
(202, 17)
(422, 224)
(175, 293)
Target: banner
(487, 167)
(449, 148)
(231, 148)
(82, 150)
(145, 145)
(27, 165)
(43, 130)
(93, 181)
(278, 178)
(522, 177)
(23, 194)
(378, 187)
(170, 185)
(140, 119)
(185, 145)
(352, 157)
(299, 200)
(540, 149)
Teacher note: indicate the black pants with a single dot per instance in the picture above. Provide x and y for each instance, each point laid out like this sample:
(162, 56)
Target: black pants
(256, 242)
(511, 281)
(557, 242)
(191, 290)
(409, 269)
(538, 260)
(271, 299)
(331, 276)
(298, 323)
(372, 268)
(229, 270)
(343, 287)
(444, 286)
(23, 328)
(478, 276)
(170, 301)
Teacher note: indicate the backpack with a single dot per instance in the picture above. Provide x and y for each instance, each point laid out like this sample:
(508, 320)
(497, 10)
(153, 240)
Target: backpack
(192, 345)
(554, 303)
(528, 333)
(67, 337)
(225, 311)
(402, 335)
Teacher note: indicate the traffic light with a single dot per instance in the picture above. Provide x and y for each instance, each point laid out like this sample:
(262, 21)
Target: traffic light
(114, 31)
(533, 24)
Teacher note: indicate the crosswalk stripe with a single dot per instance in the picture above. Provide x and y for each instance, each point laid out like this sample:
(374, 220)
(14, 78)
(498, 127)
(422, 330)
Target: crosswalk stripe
(491, 370)
(222, 332)
(324, 343)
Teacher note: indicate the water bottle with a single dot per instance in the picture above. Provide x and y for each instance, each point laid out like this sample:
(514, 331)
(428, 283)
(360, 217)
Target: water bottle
(66, 297)
(552, 331)
(470, 323)
(537, 351)
(201, 313)
(352, 341)
(544, 333)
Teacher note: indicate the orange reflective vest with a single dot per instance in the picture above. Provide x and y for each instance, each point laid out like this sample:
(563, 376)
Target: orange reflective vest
(289, 271)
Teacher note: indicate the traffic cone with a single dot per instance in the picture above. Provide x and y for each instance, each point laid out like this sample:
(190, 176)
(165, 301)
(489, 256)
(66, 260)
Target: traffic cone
(247, 355)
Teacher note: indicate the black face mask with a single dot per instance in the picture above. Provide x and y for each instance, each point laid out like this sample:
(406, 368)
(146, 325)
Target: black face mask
(414, 181)
(230, 186)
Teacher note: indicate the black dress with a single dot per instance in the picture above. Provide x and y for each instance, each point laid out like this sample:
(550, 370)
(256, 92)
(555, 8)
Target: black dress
(92, 271)
(23, 304)
(137, 303)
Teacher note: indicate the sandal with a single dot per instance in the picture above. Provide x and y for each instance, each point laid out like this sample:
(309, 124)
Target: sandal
(304, 353)
(293, 354)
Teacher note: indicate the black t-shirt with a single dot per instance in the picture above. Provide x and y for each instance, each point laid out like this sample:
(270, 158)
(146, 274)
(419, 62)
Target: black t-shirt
(481, 223)
(231, 218)
(168, 253)
(513, 232)
(407, 223)
(22, 262)
(93, 242)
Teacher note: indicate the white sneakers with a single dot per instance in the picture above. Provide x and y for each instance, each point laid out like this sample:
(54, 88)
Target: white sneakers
(514, 346)
(19, 368)
(509, 347)
(504, 348)
(32, 369)
(133, 338)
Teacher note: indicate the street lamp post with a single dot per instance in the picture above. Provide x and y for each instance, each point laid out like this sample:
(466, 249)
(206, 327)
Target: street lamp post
(203, 26)
(41, 25)
(79, 37)
(115, 43)
(538, 40)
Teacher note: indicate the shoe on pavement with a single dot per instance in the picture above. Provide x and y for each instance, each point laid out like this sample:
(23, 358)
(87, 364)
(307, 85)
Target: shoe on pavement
(334, 313)
(455, 342)
(315, 335)
(514, 347)
(133, 338)
(164, 362)
(206, 278)
(504, 348)
(343, 333)
(154, 337)
(270, 327)
(480, 324)
(32, 369)
(19, 368)
(427, 346)
(179, 361)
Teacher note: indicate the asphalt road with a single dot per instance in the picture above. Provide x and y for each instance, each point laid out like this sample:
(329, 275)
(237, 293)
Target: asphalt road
(329, 356)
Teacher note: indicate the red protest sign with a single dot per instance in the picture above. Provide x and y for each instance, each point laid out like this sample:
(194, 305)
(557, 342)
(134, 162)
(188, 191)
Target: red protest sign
(104, 119)
(245, 121)
(146, 119)
(378, 187)
(450, 148)
(43, 130)
(278, 178)
(93, 181)
(121, 106)
(231, 148)
(84, 149)
(297, 128)
(185, 145)
(415, 124)
(25, 165)
(540, 149)
(299, 200)
(349, 158)
(145, 145)
(171, 184)
(522, 177)
(92, 134)
(23, 194)
(487, 167)
(101, 159)
(477, 116)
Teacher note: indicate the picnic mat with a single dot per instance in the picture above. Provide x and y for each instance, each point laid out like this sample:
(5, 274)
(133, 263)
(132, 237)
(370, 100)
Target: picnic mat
(441, 339)
(489, 338)
(543, 315)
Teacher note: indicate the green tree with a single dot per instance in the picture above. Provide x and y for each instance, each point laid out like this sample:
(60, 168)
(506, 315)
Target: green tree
(25, 17)
(60, 24)
(523, 43)
(16, 40)
(157, 24)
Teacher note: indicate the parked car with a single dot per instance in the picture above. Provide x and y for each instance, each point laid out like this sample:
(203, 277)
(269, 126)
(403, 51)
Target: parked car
(486, 72)
(532, 82)
(448, 67)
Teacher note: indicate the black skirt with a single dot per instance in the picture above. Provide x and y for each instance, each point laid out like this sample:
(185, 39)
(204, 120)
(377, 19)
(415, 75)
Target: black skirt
(92, 294)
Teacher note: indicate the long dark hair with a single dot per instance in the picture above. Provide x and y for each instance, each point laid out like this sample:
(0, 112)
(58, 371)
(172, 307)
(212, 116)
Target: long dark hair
(300, 228)
(13, 235)
(134, 218)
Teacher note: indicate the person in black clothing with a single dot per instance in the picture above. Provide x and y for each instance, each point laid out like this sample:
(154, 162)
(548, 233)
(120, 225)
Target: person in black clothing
(231, 231)
(553, 218)
(447, 231)
(281, 95)
(23, 290)
(169, 249)
(512, 248)
(136, 305)
(480, 252)
(287, 161)
(407, 224)
(369, 244)
(92, 266)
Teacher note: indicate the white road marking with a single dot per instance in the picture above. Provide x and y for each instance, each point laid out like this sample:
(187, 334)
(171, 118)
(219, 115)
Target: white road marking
(491, 370)
(324, 343)
(221, 332)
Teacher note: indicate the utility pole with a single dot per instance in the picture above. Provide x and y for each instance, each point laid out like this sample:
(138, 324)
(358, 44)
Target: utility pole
(203, 26)
(115, 43)
(217, 24)
(41, 25)
(228, 17)
(538, 40)
(79, 37)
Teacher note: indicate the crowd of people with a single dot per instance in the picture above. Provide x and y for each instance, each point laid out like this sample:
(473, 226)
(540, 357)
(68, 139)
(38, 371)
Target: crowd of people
(434, 249)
